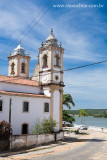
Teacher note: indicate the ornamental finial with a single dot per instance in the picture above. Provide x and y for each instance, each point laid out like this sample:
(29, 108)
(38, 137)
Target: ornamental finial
(51, 31)
(42, 44)
(28, 54)
(20, 43)
(10, 53)
(60, 44)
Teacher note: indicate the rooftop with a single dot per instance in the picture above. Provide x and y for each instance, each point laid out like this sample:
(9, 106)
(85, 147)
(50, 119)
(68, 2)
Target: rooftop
(23, 94)
(16, 80)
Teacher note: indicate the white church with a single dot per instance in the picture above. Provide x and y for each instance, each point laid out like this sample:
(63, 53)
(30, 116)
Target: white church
(23, 100)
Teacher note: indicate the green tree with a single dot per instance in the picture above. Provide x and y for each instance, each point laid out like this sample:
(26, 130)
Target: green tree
(82, 114)
(67, 117)
(67, 100)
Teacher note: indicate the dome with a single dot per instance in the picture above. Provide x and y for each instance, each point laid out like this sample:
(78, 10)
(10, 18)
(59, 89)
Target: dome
(19, 50)
(51, 40)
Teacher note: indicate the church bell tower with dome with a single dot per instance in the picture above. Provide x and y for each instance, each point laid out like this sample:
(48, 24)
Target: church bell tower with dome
(18, 63)
(49, 73)
(50, 62)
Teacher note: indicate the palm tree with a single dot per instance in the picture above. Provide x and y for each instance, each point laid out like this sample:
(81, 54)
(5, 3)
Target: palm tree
(67, 100)
(82, 114)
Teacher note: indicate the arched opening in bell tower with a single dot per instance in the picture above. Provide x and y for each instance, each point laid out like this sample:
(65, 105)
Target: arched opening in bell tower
(57, 60)
(45, 61)
(23, 68)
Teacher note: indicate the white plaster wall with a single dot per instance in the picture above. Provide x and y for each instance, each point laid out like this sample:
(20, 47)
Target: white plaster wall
(19, 88)
(4, 115)
(18, 117)
(46, 92)
(56, 108)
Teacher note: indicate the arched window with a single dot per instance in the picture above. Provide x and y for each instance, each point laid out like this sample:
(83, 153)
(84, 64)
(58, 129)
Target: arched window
(12, 68)
(23, 68)
(57, 60)
(25, 128)
(45, 61)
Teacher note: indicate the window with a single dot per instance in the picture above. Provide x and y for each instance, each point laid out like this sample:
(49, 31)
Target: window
(1, 107)
(46, 107)
(25, 107)
(25, 129)
(45, 60)
(23, 68)
(12, 68)
(57, 60)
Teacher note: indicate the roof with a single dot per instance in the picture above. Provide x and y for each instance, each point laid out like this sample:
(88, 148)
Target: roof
(23, 94)
(51, 39)
(15, 80)
(19, 50)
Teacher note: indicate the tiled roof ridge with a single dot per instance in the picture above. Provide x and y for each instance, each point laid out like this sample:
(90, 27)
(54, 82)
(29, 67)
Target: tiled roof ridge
(18, 80)
(23, 94)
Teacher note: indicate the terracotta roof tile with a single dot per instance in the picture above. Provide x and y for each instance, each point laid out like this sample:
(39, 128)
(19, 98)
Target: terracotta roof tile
(16, 80)
(23, 94)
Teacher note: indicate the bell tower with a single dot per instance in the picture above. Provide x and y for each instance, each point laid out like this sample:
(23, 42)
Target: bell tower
(49, 73)
(18, 63)
(50, 62)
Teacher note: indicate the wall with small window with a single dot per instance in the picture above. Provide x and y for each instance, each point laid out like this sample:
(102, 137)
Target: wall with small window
(25, 106)
(46, 107)
(25, 112)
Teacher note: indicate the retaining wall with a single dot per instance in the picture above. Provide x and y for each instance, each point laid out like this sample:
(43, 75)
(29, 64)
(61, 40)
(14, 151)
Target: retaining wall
(22, 141)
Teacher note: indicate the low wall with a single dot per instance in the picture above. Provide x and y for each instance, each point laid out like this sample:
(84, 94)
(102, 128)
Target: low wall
(22, 141)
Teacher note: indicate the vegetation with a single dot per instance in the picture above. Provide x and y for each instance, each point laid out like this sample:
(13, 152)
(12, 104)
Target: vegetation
(37, 128)
(82, 113)
(5, 130)
(67, 100)
(101, 115)
(46, 126)
(67, 117)
(91, 112)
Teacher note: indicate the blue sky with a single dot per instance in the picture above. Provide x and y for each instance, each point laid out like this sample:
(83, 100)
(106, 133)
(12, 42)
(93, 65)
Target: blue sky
(82, 31)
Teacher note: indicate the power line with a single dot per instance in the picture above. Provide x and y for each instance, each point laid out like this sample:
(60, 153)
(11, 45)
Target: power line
(85, 65)
(75, 68)
(30, 25)
(70, 69)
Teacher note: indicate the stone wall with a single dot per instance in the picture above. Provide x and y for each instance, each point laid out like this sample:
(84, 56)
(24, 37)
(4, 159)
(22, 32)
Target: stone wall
(22, 141)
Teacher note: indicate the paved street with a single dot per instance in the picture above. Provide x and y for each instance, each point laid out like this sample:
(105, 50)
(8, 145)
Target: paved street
(88, 145)
(96, 149)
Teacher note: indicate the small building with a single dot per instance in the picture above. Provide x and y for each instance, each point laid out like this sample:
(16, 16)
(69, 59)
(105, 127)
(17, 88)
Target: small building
(24, 100)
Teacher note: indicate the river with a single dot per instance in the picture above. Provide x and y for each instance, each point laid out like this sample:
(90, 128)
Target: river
(91, 121)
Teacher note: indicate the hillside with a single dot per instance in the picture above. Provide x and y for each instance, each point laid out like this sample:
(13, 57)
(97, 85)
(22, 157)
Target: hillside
(91, 112)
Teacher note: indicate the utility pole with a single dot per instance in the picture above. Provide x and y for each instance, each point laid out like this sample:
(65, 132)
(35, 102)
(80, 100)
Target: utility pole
(10, 110)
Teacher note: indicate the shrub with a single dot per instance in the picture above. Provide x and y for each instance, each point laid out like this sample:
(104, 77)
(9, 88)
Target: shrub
(5, 130)
(48, 125)
(37, 128)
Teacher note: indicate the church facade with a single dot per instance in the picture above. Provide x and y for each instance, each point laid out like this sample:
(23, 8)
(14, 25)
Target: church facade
(22, 100)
